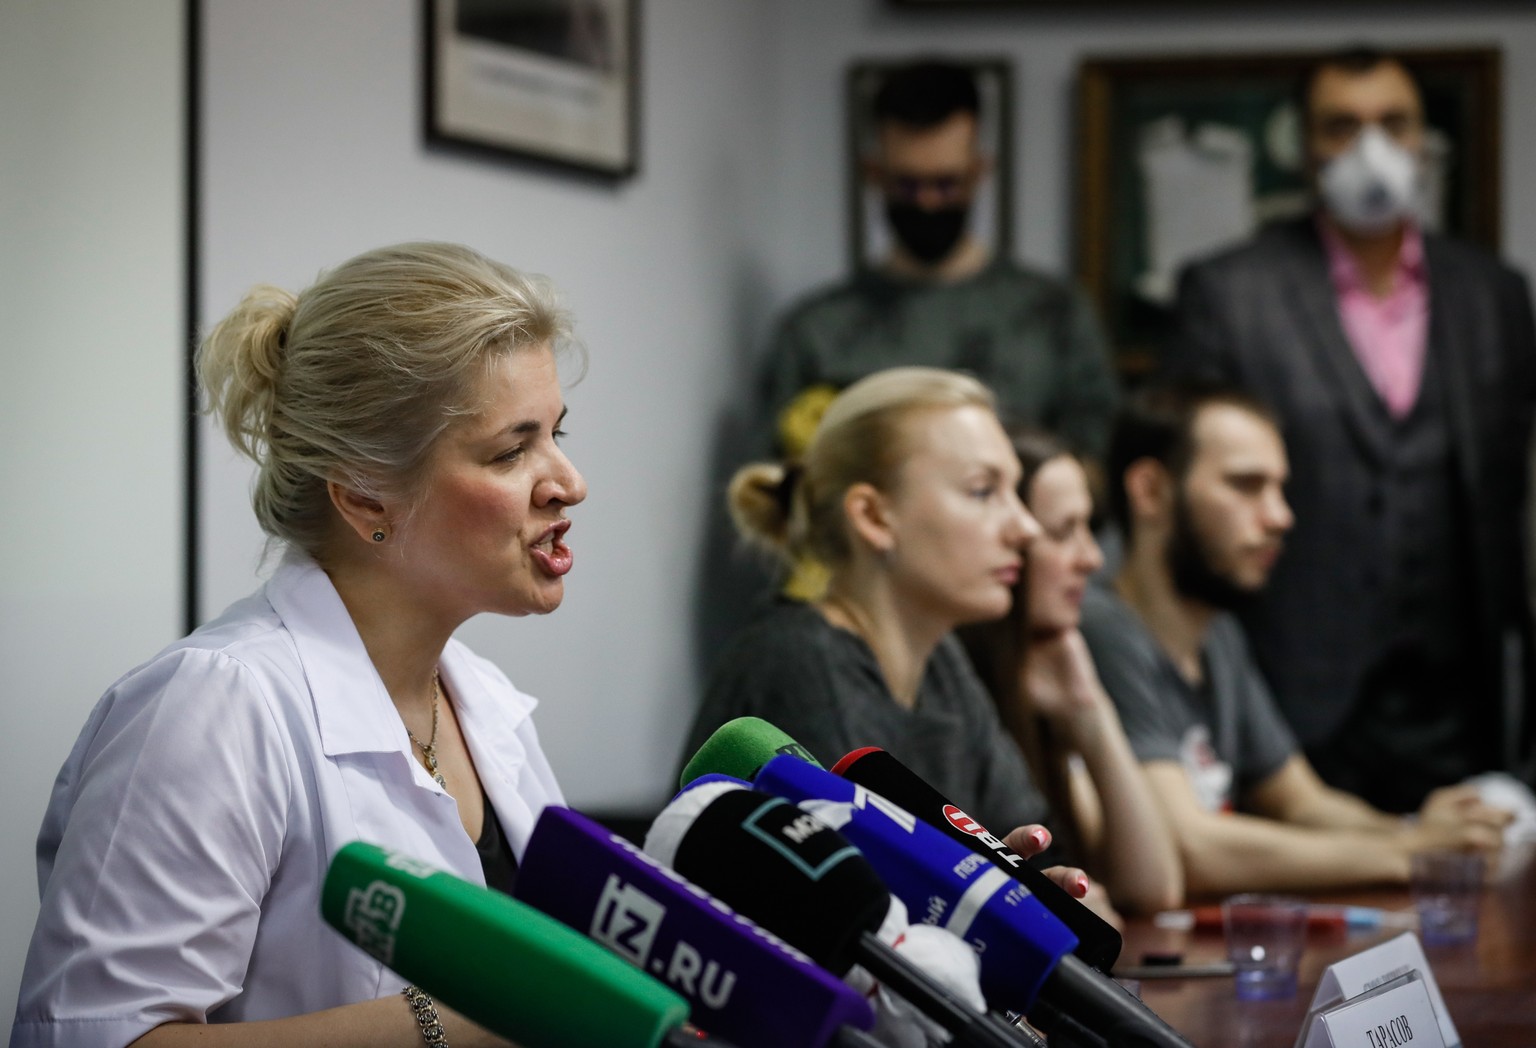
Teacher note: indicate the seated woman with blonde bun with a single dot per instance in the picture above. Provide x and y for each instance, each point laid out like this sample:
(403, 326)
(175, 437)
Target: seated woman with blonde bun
(907, 495)
(404, 415)
(1038, 669)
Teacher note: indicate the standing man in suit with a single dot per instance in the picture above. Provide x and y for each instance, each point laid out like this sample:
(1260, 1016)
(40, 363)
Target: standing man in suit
(1402, 366)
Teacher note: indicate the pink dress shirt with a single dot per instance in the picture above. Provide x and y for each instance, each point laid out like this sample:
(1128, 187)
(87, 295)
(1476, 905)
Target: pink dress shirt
(1388, 332)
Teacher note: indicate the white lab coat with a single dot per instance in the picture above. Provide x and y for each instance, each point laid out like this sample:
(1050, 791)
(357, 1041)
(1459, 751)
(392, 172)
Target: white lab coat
(182, 853)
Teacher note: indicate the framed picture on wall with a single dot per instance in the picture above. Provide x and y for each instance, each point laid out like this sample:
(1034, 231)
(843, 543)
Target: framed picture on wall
(551, 80)
(991, 212)
(1180, 156)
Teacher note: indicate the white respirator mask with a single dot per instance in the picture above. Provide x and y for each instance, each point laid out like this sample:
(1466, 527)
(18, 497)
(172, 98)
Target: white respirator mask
(1371, 186)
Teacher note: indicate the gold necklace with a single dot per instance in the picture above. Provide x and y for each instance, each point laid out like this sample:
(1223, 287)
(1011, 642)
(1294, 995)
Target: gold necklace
(429, 748)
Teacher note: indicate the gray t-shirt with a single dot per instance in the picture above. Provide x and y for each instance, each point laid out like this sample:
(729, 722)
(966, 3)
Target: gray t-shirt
(823, 687)
(1228, 734)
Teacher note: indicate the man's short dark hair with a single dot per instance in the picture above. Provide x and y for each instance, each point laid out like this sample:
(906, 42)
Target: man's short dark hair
(1356, 60)
(926, 93)
(1158, 422)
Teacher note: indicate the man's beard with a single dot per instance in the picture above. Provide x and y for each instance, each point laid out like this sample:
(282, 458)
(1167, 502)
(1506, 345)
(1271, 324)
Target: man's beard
(1194, 577)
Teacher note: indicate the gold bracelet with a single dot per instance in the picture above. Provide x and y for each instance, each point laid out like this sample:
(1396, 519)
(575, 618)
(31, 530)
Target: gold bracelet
(426, 1017)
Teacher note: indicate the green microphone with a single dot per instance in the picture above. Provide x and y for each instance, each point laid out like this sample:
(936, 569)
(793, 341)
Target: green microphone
(509, 967)
(739, 747)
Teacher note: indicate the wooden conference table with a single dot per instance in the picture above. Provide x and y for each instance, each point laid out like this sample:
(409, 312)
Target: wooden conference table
(1489, 985)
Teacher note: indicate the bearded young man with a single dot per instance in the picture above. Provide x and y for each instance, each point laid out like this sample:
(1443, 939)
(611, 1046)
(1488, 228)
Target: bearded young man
(1402, 367)
(1197, 474)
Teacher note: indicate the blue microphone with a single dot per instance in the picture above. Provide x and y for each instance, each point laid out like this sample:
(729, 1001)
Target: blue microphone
(942, 882)
(1026, 952)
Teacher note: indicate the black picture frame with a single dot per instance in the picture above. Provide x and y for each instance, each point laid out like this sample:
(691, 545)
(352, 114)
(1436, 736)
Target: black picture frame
(992, 208)
(1121, 101)
(554, 81)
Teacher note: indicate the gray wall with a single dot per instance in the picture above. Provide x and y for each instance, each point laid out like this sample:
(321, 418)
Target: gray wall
(91, 321)
(312, 154)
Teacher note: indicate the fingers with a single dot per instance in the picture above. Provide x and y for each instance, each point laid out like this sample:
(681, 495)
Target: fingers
(1457, 794)
(1028, 841)
(1072, 880)
(1097, 900)
(1463, 804)
(1484, 838)
(1464, 836)
(1488, 815)
(1032, 840)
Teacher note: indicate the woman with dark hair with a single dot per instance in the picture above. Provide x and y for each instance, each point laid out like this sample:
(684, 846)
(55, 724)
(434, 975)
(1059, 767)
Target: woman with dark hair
(1037, 667)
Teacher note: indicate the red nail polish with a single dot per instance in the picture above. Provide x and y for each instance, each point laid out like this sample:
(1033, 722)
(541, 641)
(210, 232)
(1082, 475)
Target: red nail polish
(1082, 887)
(1040, 837)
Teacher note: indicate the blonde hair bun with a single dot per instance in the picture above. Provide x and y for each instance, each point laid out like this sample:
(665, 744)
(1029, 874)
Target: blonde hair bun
(859, 438)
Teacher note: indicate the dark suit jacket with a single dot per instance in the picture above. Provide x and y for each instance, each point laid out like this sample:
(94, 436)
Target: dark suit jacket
(1264, 316)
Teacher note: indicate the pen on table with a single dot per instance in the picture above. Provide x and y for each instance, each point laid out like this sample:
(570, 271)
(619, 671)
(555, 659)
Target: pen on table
(1320, 917)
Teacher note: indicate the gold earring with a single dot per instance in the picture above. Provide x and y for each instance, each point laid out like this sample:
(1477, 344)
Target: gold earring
(378, 535)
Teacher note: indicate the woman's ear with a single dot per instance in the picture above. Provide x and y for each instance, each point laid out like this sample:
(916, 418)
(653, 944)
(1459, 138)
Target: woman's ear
(869, 517)
(1148, 489)
(363, 514)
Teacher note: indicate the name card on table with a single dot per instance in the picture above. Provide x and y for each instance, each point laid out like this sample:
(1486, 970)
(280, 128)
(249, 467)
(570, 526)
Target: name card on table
(1394, 1015)
(1376, 967)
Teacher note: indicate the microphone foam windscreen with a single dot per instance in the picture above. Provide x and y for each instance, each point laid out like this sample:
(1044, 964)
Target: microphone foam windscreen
(670, 827)
(739, 747)
(786, 870)
(946, 957)
(510, 968)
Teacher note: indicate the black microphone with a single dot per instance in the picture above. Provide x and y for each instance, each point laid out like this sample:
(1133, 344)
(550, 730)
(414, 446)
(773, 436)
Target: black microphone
(1098, 943)
(793, 874)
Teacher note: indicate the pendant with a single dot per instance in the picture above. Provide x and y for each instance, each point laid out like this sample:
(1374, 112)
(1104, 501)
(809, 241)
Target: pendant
(431, 755)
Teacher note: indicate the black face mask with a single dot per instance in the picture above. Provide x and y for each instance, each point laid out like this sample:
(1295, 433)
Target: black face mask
(1193, 575)
(927, 235)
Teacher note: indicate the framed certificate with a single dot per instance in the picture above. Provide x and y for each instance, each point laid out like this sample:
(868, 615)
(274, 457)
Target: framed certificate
(549, 80)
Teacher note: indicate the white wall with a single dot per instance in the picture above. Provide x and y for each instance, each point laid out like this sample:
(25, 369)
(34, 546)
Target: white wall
(91, 320)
